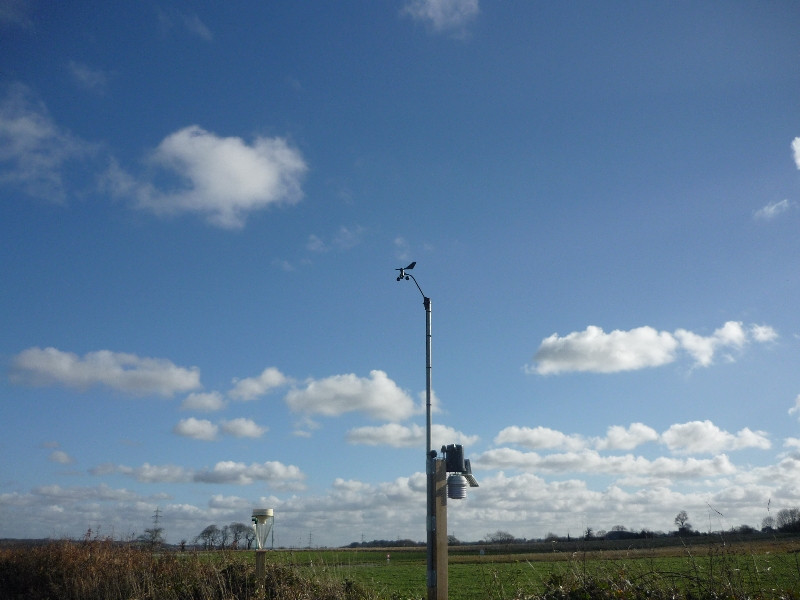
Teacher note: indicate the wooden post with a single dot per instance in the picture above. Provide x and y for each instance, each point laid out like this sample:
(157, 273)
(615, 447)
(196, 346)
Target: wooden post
(261, 567)
(439, 590)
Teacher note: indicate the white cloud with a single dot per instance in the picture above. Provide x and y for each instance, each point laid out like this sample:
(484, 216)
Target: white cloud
(796, 151)
(204, 402)
(589, 461)
(704, 436)
(119, 371)
(539, 437)
(771, 210)
(148, 473)
(377, 396)
(243, 428)
(61, 457)
(229, 502)
(400, 436)
(198, 429)
(34, 152)
(272, 472)
(94, 80)
(443, 15)
(253, 387)
(596, 351)
(600, 352)
(223, 178)
(619, 438)
(763, 333)
(796, 406)
(702, 349)
(241, 474)
(524, 503)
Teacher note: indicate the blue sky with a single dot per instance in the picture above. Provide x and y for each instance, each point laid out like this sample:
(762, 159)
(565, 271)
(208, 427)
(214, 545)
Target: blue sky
(202, 211)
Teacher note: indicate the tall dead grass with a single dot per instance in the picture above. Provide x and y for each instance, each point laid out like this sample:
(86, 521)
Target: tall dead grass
(105, 570)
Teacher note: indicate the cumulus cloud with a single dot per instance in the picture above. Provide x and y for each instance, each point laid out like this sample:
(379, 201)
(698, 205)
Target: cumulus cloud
(771, 210)
(524, 503)
(702, 348)
(763, 333)
(599, 352)
(116, 370)
(93, 80)
(617, 438)
(243, 428)
(686, 438)
(590, 461)
(272, 472)
(204, 402)
(443, 15)
(198, 429)
(620, 438)
(400, 436)
(61, 457)
(253, 387)
(796, 407)
(223, 178)
(705, 437)
(34, 151)
(241, 474)
(229, 502)
(539, 437)
(796, 151)
(376, 395)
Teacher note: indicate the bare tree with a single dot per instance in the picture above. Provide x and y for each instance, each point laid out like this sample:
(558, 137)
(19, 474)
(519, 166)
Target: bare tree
(499, 537)
(789, 519)
(768, 524)
(250, 537)
(238, 533)
(682, 521)
(209, 537)
(224, 537)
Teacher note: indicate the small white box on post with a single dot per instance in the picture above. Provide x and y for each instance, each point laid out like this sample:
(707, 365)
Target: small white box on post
(263, 519)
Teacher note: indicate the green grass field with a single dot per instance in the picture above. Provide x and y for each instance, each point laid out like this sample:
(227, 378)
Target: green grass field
(739, 570)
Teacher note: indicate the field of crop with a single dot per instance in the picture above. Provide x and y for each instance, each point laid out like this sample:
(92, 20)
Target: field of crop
(764, 569)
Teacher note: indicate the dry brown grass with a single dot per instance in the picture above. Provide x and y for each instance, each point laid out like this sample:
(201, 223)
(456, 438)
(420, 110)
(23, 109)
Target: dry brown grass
(105, 570)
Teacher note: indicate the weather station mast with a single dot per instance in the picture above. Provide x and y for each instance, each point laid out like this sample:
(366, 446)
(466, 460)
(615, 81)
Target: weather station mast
(439, 486)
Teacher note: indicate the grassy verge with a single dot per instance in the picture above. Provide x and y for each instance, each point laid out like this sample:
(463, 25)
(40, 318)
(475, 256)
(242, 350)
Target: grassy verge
(104, 570)
(101, 569)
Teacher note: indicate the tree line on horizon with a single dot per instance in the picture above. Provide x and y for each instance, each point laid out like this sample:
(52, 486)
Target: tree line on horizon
(240, 536)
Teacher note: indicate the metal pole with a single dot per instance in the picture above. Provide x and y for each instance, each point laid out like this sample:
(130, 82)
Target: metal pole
(427, 303)
(432, 465)
(430, 462)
